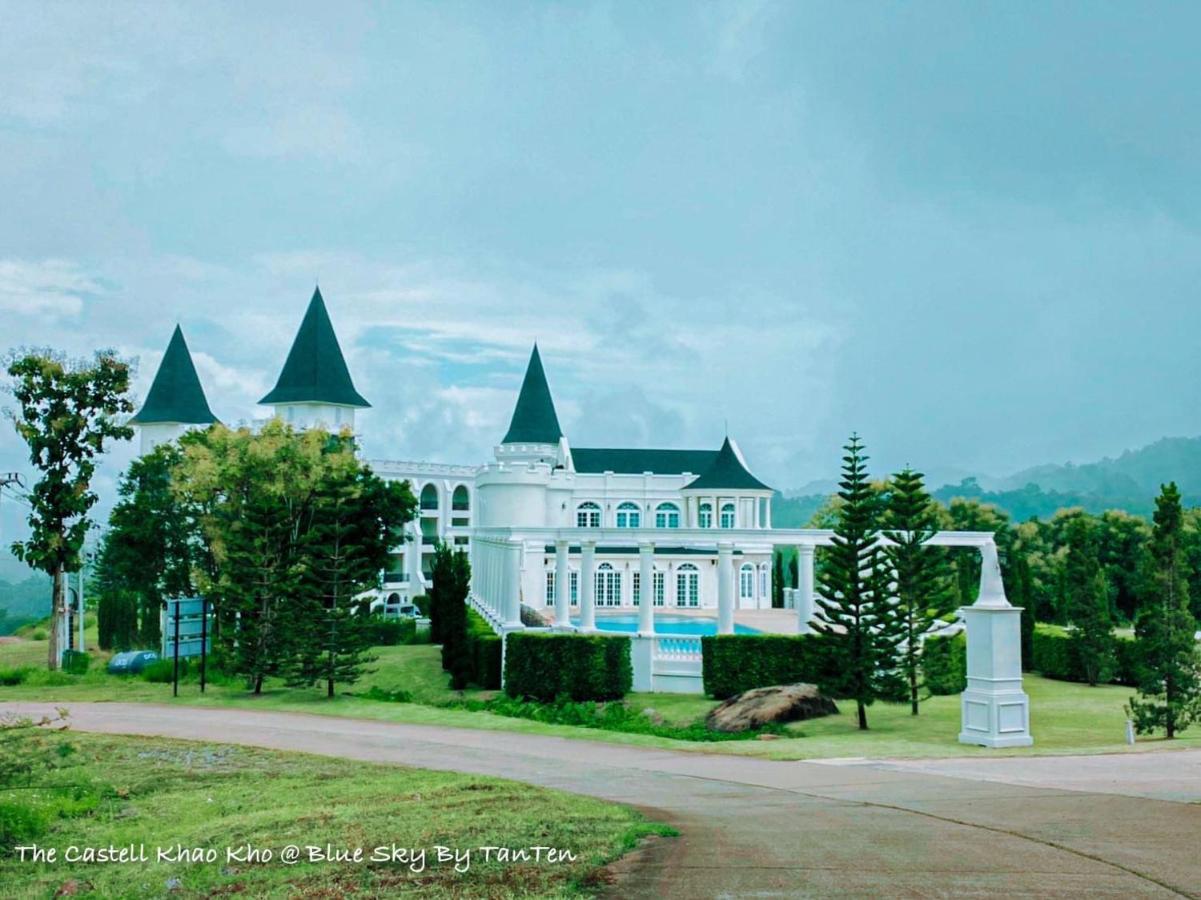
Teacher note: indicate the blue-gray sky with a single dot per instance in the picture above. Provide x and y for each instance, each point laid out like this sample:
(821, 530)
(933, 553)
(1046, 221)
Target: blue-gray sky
(970, 231)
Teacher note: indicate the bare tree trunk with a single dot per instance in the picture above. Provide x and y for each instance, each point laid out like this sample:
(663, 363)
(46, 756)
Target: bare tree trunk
(56, 614)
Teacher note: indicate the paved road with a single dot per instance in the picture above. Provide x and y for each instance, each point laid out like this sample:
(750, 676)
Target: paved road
(772, 829)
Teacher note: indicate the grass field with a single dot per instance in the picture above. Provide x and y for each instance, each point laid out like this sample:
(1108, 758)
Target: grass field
(154, 793)
(1065, 717)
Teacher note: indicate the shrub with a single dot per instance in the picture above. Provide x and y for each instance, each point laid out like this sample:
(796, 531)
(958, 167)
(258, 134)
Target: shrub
(944, 664)
(545, 667)
(76, 662)
(13, 677)
(1055, 655)
(422, 602)
(733, 663)
(484, 652)
(19, 824)
(384, 632)
(162, 671)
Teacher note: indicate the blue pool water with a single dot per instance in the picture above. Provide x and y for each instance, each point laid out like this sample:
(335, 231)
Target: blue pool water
(664, 625)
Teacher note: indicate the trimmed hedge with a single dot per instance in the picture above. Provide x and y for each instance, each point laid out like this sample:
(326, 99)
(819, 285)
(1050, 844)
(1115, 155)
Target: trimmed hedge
(1055, 655)
(580, 667)
(484, 651)
(76, 662)
(944, 664)
(733, 663)
(391, 632)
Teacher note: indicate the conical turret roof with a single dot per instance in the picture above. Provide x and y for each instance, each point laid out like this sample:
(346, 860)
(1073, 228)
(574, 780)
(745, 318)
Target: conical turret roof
(176, 394)
(727, 473)
(315, 371)
(534, 420)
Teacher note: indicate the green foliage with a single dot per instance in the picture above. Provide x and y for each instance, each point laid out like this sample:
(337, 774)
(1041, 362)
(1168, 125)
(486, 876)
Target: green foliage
(162, 671)
(13, 676)
(385, 632)
(422, 602)
(450, 582)
(777, 579)
(733, 663)
(544, 666)
(28, 753)
(920, 573)
(944, 664)
(1169, 669)
(484, 650)
(20, 824)
(1087, 596)
(67, 412)
(1056, 655)
(859, 627)
(76, 662)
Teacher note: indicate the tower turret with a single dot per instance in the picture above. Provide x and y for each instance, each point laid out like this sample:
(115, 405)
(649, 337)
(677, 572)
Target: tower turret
(176, 400)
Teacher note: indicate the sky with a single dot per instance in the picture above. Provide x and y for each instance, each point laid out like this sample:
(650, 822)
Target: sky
(969, 232)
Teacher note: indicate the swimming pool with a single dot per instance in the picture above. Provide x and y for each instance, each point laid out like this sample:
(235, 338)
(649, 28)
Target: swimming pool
(664, 625)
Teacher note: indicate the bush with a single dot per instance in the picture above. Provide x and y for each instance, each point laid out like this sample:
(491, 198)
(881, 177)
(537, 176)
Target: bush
(733, 663)
(546, 667)
(162, 671)
(76, 662)
(19, 824)
(422, 602)
(385, 632)
(13, 677)
(944, 664)
(1055, 655)
(484, 649)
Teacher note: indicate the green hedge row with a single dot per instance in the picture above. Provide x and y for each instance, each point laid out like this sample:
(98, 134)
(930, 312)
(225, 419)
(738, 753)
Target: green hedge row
(76, 662)
(484, 650)
(733, 663)
(542, 666)
(1055, 655)
(944, 664)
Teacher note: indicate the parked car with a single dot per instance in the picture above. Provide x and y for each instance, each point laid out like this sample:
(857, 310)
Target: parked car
(131, 662)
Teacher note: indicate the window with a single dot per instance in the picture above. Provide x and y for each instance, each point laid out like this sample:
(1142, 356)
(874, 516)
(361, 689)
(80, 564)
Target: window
(574, 584)
(636, 585)
(550, 588)
(608, 586)
(763, 591)
(667, 515)
(727, 515)
(629, 515)
(746, 582)
(587, 515)
(705, 515)
(460, 500)
(688, 585)
(429, 497)
(660, 580)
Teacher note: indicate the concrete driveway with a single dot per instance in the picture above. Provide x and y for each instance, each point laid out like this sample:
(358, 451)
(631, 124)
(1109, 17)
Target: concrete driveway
(759, 828)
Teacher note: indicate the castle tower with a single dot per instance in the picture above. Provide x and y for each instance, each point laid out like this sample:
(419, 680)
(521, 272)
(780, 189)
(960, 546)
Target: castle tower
(534, 434)
(727, 495)
(315, 388)
(176, 401)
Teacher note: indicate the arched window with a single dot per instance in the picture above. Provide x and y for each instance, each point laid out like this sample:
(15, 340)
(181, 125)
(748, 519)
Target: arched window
(704, 517)
(746, 582)
(629, 516)
(460, 500)
(688, 585)
(667, 515)
(587, 515)
(429, 498)
(608, 586)
(727, 515)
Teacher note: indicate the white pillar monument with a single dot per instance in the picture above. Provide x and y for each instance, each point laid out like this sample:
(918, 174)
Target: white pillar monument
(995, 710)
(646, 589)
(725, 588)
(562, 586)
(587, 583)
(805, 591)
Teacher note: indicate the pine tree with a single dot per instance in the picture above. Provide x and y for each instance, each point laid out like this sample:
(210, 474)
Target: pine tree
(921, 574)
(856, 620)
(777, 580)
(1169, 680)
(451, 577)
(1087, 603)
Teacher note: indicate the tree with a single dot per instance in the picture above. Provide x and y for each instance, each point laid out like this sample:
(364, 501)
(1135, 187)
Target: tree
(1087, 603)
(777, 580)
(67, 413)
(1169, 681)
(856, 620)
(451, 577)
(920, 573)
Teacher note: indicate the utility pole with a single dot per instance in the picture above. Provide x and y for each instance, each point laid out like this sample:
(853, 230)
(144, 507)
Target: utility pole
(7, 479)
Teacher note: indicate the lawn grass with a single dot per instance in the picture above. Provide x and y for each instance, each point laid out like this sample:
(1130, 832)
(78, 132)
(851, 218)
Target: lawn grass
(153, 793)
(1065, 717)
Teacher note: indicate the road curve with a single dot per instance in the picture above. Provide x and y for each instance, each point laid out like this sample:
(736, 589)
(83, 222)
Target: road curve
(761, 828)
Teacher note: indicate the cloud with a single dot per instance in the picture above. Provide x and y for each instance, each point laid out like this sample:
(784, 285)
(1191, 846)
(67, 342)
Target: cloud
(50, 289)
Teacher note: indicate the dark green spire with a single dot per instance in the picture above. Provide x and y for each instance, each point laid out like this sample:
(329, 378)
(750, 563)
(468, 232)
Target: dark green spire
(534, 419)
(727, 473)
(315, 371)
(176, 394)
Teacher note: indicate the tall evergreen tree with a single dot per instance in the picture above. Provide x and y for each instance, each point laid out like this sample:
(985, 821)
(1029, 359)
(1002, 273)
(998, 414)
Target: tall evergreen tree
(1169, 672)
(1087, 602)
(451, 577)
(921, 574)
(777, 580)
(856, 619)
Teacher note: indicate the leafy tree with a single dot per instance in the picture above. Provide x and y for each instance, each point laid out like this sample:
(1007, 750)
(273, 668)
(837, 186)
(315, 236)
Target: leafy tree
(67, 412)
(920, 573)
(1088, 603)
(967, 514)
(858, 626)
(1169, 680)
(1121, 540)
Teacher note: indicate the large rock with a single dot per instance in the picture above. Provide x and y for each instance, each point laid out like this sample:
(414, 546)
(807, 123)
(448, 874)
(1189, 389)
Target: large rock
(781, 703)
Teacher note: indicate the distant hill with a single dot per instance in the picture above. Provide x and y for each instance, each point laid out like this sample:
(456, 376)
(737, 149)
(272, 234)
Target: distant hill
(24, 601)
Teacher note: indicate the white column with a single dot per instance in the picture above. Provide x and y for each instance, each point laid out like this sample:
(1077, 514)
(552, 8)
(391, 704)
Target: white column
(725, 588)
(995, 710)
(805, 591)
(587, 582)
(646, 587)
(562, 586)
(512, 584)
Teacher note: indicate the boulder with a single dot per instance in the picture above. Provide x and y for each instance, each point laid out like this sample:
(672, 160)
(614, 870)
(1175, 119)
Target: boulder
(781, 703)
